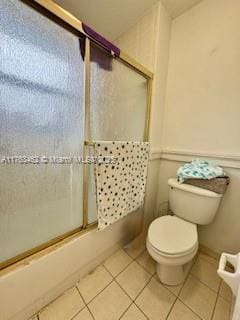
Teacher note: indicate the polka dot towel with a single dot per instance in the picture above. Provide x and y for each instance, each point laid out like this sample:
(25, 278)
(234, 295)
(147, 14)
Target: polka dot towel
(120, 174)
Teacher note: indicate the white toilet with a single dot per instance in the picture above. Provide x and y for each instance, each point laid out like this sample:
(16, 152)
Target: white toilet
(172, 241)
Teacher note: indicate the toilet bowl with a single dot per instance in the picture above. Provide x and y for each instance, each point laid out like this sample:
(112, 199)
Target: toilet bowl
(172, 240)
(172, 243)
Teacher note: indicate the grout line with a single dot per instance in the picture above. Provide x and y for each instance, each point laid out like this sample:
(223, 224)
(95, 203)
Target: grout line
(171, 307)
(125, 249)
(190, 274)
(190, 308)
(139, 291)
(52, 301)
(133, 301)
(224, 298)
(126, 310)
(141, 310)
(177, 296)
(133, 260)
(215, 305)
(90, 312)
(145, 267)
(81, 308)
(136, 260)
(165, 286)
(86, 305)
(183, 302)
(100, 291)
(75, 314)
(108, 271)
(114, 277)
(112, 280)
(187, 276)
(120, 271)
(214, 308)
(81, 295)
(150, 279)
(128, 297)
(216, 292)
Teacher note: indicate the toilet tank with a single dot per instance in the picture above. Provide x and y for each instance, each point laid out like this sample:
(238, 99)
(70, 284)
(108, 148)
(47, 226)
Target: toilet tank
(191, 203)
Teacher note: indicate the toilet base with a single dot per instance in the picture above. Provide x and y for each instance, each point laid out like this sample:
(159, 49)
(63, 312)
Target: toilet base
(172, 275)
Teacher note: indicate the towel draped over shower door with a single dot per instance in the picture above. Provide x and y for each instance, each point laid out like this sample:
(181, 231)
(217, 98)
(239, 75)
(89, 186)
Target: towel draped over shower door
(121, 184)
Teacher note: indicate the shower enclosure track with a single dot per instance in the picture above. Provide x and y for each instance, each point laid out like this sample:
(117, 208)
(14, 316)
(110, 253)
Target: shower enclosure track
(67, 20)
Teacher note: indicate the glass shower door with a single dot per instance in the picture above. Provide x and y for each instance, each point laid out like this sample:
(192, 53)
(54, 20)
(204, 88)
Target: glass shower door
(41, 116)
(118, 106)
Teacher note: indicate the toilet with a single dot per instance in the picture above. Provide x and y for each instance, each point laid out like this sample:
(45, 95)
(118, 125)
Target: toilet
(172, 240)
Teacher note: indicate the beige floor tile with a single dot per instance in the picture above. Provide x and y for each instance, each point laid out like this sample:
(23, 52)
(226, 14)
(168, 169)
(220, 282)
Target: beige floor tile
(93, 283)
(198, 297)
(136, 247)
(225, 291)
(206, 273)
(64, 307)
(133, 313)
(117, 262)
(34, 318)
(181, 312)
(222, 310)
(203, 256)
(155, 301)
(109, 304)
(174, 289)
(83, 315)
(133, 279)
(147, 262)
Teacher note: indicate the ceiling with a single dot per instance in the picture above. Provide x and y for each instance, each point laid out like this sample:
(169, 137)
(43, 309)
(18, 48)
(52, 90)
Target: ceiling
(111, 18)
(177, 7)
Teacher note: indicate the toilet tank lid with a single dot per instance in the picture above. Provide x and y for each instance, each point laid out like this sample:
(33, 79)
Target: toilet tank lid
(189, 188)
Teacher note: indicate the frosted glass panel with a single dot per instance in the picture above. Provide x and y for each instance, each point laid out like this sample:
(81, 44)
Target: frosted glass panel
(118, 105)
(41, 113)
(118, 99)
(92, 204)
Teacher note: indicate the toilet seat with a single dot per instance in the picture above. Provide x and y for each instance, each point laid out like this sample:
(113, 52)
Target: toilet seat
(172, 236)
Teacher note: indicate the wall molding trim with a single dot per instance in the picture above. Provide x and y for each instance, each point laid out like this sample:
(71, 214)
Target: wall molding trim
(225, 160)
(155, 154)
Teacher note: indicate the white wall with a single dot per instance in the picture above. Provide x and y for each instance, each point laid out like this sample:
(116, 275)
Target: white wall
(203, 90)
(203, 106)
(148, 42)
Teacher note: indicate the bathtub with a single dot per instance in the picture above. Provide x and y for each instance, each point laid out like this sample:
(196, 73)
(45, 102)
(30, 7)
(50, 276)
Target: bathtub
(31, 284)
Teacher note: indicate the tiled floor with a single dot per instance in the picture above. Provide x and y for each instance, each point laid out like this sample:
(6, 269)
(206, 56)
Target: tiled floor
(126, 287)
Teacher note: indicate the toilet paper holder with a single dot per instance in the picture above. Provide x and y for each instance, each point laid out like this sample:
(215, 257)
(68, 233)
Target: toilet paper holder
(232, 279)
